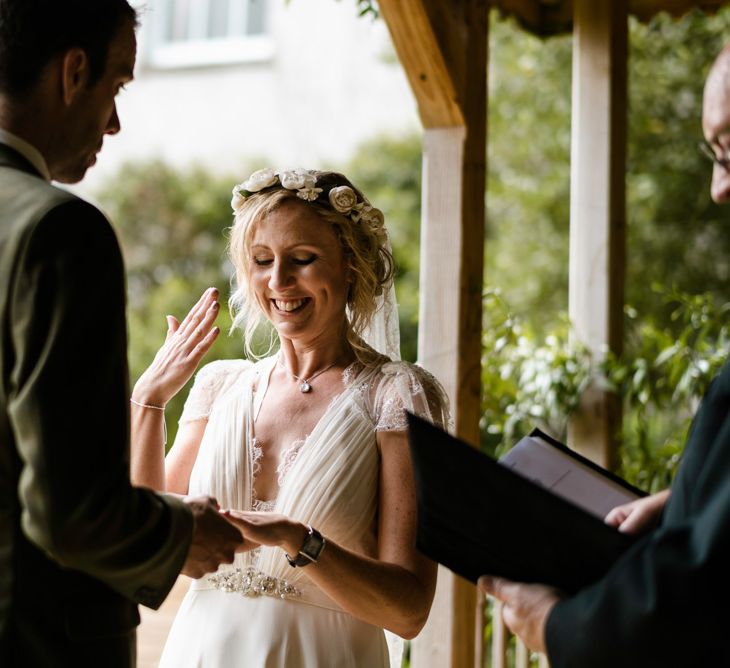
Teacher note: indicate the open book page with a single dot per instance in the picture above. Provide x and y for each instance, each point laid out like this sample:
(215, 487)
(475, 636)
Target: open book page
(543, 463)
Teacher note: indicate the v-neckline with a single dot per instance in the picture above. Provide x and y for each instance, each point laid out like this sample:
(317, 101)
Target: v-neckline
(257, 401)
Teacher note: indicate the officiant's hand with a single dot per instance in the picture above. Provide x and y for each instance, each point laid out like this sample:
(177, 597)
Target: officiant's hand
(185, 344)
(215, 540)
(638, 516)
(526, 607)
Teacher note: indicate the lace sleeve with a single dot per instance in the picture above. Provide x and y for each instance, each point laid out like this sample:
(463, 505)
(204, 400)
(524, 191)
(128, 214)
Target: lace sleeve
(210, 382)
(403, 386)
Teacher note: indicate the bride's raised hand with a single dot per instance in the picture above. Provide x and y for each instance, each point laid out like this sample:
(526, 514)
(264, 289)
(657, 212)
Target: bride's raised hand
(185, 344)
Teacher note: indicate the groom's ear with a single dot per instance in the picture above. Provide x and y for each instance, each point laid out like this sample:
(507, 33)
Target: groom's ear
(74, 74)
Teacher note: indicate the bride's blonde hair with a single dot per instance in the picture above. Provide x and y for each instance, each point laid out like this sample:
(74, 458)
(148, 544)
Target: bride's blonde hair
(363, 239)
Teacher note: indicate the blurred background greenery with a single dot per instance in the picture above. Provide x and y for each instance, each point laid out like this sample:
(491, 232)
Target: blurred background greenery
(173, 223)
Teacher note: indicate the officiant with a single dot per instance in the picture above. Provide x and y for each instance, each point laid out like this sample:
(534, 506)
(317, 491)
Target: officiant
(664, 603)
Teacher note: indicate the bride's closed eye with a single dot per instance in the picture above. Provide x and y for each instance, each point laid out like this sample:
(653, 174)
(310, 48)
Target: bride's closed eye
(304, 260)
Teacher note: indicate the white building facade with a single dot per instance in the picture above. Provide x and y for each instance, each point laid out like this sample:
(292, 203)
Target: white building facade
(225, 83)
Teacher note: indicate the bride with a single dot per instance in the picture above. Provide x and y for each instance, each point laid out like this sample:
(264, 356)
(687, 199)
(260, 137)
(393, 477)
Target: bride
(306, 449)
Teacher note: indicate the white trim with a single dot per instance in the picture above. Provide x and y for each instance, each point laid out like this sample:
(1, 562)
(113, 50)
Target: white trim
(204, 53)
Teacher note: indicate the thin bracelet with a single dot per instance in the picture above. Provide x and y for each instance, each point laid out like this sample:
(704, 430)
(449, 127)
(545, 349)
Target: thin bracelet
(156, 408)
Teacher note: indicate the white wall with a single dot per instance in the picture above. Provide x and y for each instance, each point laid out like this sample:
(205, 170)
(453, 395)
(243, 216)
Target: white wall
(331, 81)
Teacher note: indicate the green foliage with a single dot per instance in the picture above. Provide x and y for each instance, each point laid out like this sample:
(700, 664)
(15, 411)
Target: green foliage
(527, 382)
(172, 231)
(528, 179)
(368, 8)
(671, 223)
(532, 382)
(662, 382)
(364, 8)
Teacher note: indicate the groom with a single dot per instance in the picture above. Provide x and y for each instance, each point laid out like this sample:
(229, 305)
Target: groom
(79, 546)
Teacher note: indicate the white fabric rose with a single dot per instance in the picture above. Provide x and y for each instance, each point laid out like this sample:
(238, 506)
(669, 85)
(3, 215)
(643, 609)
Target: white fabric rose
(238, 197)
(292, 179)
(308, 194)
(373, 217)
(342, 199)
(260, 179)
(310, 179)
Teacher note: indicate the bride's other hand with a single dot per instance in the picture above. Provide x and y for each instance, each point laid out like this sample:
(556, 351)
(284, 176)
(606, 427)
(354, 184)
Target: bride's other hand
(264, 528)
(185, 344)
(638, 516)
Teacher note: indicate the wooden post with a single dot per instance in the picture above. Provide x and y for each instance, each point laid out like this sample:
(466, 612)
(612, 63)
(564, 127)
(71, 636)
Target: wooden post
(598, 208)
(443, 49)
(500, 636)
(448, 639)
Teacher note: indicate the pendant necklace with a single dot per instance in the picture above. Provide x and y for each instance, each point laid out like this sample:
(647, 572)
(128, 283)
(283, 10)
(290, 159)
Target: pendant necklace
(306, 383)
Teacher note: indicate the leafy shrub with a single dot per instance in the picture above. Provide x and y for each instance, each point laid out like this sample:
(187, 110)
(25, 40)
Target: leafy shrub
(661, 378)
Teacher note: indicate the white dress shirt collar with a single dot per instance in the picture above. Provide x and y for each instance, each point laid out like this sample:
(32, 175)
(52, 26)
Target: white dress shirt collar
(28, 151)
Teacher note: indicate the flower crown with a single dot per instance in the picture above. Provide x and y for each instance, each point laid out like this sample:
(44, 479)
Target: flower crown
(342, 199)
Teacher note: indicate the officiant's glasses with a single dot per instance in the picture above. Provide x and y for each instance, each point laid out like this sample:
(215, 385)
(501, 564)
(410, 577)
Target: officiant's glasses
(708, 150)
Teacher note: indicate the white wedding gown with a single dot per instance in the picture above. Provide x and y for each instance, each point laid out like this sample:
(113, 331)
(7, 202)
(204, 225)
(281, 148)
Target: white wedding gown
(260, 612)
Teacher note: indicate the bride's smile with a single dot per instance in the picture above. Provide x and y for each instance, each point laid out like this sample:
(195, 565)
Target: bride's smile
(289, 306)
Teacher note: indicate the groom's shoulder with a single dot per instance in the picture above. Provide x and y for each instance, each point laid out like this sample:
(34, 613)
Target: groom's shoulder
(23, 191)
(34, 210)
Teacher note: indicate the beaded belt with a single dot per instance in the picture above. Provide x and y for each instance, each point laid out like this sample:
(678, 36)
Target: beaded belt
(252, 583)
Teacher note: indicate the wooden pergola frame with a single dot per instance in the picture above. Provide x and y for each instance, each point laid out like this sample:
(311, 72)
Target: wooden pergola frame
(443, 47)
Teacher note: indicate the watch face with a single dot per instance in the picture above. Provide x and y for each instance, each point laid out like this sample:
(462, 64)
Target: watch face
(313, 545)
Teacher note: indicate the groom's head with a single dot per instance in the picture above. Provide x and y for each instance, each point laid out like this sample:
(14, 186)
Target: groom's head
(62, 62)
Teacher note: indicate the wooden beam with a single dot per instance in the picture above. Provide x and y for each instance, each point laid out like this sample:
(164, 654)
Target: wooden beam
(598, 207)
(421, 55)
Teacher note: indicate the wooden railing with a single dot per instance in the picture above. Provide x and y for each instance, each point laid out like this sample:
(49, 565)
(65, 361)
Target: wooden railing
(503, 649)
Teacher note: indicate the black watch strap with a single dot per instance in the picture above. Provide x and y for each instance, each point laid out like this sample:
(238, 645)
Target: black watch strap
(309, 551)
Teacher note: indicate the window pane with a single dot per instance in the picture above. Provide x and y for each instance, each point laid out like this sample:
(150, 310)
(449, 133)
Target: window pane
(218, 11)
(176, 13)
(256, 16)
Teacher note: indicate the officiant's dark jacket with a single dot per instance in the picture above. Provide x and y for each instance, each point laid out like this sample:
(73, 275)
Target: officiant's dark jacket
(79, 547)
(667, 601)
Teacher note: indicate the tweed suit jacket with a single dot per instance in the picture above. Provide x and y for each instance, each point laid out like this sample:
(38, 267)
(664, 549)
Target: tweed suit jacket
(665, 603)
(79, 546)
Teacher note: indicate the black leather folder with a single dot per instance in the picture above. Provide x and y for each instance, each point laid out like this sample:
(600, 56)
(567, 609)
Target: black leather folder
(478, 517)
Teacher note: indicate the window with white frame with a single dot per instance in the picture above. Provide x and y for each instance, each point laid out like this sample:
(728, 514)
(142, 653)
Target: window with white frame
(208, 32)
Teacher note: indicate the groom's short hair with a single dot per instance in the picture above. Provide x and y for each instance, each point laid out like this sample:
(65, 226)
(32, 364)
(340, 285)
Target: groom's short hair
(33, 32)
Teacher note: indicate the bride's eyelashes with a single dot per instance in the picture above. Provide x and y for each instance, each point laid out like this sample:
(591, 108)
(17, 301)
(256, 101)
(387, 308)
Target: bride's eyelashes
(301, 261)
(305, 260)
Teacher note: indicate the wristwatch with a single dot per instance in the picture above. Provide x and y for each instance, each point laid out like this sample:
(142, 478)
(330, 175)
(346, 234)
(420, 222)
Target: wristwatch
(309, 551)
